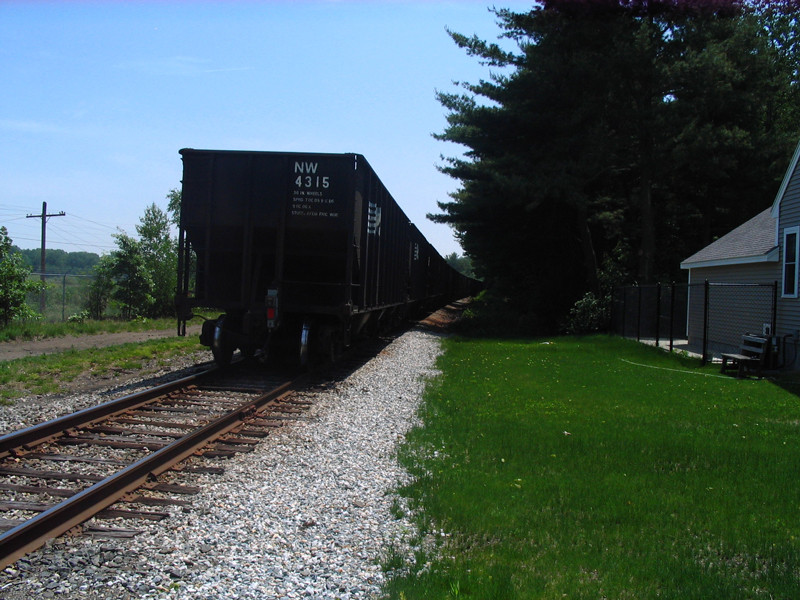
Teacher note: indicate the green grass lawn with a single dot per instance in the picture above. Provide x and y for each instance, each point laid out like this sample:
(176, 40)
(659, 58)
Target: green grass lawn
(600, 468)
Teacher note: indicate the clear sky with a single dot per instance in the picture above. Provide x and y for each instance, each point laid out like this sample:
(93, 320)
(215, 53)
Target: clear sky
(98, 97)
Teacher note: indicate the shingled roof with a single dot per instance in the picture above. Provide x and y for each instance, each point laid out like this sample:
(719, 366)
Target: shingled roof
(751, 242)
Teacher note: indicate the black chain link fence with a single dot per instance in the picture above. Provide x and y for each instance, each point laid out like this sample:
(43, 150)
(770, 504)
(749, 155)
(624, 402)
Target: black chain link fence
(703, 318)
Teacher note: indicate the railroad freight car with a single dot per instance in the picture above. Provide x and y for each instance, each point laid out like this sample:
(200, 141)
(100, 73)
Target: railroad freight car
(300, 252)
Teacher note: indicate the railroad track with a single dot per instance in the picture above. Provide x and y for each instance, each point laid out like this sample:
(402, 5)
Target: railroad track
(57, 475)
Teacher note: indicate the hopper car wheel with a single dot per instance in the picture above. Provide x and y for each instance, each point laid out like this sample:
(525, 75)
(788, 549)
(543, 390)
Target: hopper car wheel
(221, 348)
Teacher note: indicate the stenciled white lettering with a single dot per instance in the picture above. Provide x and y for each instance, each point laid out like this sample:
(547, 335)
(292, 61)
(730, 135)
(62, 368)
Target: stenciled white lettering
(305, 167)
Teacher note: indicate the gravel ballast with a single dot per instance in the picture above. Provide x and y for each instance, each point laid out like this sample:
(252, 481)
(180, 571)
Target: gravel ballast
(308, 514)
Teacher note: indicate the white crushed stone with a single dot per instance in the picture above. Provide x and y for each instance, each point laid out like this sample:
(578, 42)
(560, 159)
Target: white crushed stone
(307, 515)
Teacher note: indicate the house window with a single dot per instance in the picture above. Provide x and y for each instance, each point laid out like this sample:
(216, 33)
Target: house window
(791, 237)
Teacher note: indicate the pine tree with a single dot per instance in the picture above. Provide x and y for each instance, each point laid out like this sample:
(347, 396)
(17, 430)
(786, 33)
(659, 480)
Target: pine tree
(618, 129)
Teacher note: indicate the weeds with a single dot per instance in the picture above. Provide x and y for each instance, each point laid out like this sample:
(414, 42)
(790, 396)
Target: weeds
(80, 326)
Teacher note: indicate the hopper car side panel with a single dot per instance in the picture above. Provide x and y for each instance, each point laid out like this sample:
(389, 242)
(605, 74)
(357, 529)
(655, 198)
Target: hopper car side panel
(418, 257)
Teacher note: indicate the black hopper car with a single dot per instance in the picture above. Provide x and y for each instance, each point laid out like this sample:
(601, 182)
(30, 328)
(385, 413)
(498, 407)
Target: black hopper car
(301, 253)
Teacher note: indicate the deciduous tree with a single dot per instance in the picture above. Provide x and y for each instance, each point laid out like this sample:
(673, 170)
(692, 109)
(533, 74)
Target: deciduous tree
(133, 288)
(160, 255)
(140, 275)
(14, 283)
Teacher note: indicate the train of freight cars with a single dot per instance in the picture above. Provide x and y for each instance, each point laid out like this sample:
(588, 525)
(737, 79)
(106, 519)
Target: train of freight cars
(302, 253)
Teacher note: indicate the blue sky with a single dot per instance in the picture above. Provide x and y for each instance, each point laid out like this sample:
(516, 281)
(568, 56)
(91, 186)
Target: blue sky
(98, 97)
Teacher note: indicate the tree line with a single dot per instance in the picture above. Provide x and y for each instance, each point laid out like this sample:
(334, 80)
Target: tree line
(617, 138)
(59, 261)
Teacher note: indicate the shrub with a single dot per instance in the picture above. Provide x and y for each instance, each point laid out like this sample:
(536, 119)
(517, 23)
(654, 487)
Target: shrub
(589, 314)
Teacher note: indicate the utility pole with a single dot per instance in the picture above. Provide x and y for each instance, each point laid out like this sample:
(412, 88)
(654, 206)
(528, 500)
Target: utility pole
(44, 216)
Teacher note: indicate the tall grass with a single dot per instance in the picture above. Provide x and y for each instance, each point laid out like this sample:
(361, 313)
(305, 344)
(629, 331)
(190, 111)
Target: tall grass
(599, 468)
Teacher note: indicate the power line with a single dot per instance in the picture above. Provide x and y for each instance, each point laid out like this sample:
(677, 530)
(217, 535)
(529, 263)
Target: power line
(79, 245)
(15, 207)
(70, 233)
(95, 222)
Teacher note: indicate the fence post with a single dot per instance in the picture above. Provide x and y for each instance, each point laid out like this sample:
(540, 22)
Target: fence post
(671, 315)
(64, 298)
(613, 310)
(639, 314)
(624, 307)
(706, 288)
(658, 313)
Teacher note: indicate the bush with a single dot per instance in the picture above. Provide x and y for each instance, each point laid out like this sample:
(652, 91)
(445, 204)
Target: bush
(79, 317)
(590, 314)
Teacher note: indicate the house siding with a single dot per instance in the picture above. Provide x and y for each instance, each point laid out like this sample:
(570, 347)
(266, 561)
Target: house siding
(733, 310)
(763, 272)
(788, 308)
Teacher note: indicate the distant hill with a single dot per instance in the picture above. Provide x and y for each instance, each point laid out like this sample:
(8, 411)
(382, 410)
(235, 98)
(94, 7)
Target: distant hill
(59, 261)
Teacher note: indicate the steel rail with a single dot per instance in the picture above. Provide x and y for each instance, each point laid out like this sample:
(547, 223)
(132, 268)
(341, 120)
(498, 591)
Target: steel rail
(73, 511)
(37, 434)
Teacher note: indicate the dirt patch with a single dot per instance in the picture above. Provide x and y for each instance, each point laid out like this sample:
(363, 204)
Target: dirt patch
(24, 348)
(116, 382)
(443, 318)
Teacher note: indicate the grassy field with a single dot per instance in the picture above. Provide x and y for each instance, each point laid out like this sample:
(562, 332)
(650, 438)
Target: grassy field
(600, 468)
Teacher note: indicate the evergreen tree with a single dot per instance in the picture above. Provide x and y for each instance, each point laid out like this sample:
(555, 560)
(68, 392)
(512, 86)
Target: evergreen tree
(624, 130)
